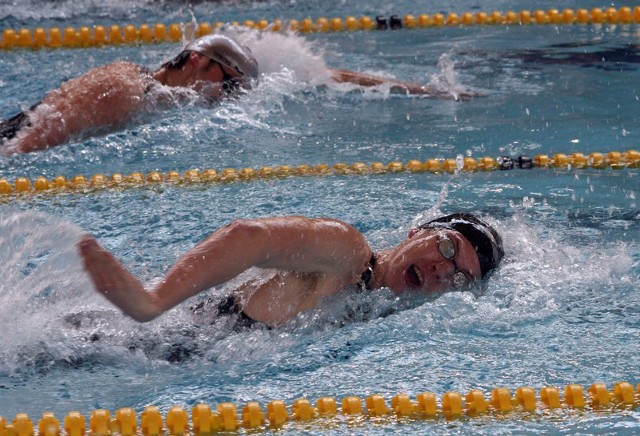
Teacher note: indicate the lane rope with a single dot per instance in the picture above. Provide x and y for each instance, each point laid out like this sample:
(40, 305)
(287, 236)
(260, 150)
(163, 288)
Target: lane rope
(225, 417)
(100, 35)
(23, 186)
(401, 409)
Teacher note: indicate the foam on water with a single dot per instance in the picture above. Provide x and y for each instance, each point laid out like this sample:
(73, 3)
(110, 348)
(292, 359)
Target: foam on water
(41, 278)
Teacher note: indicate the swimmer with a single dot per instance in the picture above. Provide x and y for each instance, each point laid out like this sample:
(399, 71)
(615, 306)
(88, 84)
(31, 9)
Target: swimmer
(313, 259)
(107, 98)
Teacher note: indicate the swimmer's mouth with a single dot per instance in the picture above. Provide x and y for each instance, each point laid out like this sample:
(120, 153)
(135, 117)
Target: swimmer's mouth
(414, 276)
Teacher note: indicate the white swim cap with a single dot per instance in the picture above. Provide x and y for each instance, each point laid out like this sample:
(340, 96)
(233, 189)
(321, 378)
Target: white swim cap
(228, 52)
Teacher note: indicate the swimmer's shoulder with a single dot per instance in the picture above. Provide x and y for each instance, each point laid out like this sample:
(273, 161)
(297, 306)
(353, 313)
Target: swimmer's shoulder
(130, 78)
(126, 70)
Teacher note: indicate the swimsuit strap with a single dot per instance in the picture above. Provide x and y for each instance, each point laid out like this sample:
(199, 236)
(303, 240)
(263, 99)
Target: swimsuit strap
(367, 276)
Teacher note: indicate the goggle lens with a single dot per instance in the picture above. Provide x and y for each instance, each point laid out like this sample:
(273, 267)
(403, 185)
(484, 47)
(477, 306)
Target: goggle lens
(447, 249)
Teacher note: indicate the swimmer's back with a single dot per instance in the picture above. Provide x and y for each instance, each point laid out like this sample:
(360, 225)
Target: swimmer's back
(102, 100)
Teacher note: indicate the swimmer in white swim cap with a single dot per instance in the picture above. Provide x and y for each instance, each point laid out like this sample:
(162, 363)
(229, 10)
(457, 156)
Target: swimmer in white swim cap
(228, 53)
(214, 65)
(108, 98)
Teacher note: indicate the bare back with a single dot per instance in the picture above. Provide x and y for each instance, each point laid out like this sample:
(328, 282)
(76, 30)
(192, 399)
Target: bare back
(101, 100)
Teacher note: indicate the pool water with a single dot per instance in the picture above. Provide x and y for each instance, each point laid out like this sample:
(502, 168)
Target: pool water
(563, 308)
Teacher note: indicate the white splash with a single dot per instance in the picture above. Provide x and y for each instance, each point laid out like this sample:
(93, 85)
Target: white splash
(283, 51)
(41, 278)
(445, 81)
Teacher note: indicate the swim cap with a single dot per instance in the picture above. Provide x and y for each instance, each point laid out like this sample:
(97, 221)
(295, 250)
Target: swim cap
(484, 239)
(228, 52)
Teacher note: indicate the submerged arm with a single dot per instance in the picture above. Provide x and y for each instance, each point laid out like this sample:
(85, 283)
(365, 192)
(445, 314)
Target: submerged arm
(286, 243)
(345, 76)
(413, 88)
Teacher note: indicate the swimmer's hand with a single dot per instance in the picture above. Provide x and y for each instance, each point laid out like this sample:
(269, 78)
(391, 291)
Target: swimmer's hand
(433, 91)
(113, 281)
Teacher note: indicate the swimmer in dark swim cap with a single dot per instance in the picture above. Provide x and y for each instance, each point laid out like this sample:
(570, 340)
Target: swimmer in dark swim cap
(310, 260)
(484, 239)
(108, 98)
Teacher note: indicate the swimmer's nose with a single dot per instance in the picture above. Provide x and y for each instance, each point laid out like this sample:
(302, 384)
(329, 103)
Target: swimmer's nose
(442, 270)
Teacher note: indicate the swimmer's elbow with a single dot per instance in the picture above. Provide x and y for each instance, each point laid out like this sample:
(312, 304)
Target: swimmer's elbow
(11, 147)
(246, 230)
(7, 151)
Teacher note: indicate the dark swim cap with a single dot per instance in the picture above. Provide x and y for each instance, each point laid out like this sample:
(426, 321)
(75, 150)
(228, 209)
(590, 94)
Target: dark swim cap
(484, 238)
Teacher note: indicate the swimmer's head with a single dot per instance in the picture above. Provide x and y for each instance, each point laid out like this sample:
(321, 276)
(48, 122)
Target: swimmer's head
(228, 52)
(485, 239)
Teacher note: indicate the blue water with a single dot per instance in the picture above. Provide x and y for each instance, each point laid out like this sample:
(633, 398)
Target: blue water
(563, 308)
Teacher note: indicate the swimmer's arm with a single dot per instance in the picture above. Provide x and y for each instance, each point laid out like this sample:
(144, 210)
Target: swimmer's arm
(287, 243)
(113, 281)
(412, 88)
(360, 79)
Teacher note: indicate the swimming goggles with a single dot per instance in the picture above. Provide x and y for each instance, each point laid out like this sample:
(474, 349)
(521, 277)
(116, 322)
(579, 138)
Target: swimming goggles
(229, 83)
(447, 249)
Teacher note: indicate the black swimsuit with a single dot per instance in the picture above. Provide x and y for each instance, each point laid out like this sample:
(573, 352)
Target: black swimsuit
(10, 128)
(367, 276)
(230, 306)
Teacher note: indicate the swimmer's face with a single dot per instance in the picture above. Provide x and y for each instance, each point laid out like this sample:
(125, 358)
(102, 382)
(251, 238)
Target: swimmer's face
(211, 78)
(432, 261)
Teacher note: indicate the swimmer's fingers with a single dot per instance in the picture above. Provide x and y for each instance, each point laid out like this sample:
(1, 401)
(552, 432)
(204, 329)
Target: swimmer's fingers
(113, 281)
(87, 244)
(411, 88)
(435, 92)
(106, 272)
(468, 95)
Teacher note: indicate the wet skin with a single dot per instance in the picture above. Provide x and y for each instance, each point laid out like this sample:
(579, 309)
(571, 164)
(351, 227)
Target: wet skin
(324, 258)
(416, 264)
(106, 99)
